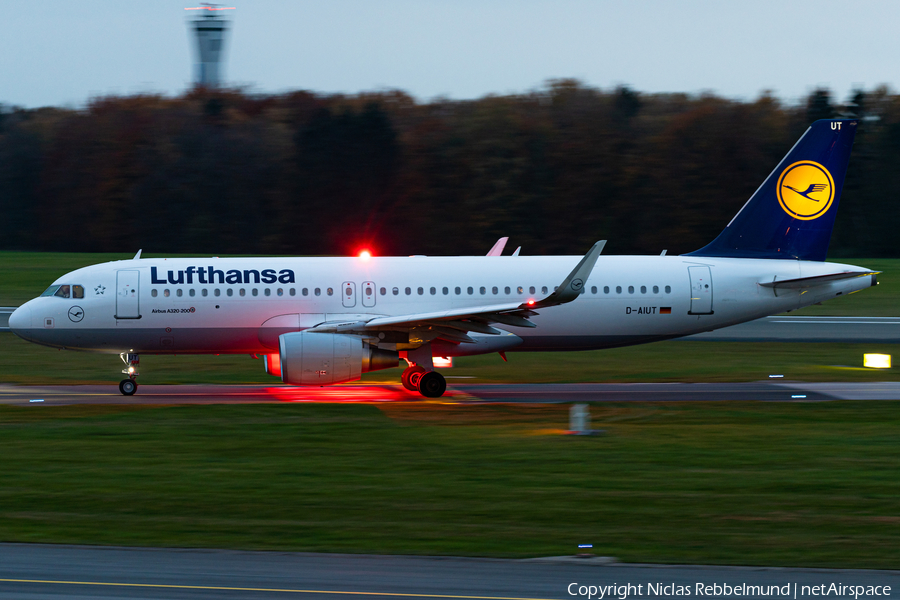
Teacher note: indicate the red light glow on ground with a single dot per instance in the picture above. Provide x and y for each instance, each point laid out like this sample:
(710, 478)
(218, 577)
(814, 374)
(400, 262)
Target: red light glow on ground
(350, 394)
(365, 255)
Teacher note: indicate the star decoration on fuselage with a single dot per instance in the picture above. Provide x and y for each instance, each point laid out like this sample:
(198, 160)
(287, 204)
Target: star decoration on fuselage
(99, 290)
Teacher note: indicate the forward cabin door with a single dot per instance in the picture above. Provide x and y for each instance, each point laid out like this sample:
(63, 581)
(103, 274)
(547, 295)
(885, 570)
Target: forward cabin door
(128, 294)
(349, 294)
(701, 291)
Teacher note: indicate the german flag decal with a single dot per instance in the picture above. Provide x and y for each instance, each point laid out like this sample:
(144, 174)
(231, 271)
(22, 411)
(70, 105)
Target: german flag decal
(665, 310)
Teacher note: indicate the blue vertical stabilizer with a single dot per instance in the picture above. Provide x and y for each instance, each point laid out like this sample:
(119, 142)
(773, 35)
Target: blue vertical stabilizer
(792, 213)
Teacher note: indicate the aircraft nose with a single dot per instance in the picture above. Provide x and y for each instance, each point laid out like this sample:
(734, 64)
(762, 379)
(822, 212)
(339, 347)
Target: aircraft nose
(20, 320)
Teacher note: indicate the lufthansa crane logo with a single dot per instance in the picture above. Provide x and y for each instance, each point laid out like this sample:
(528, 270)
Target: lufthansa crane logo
(76, 314)
(805, 190)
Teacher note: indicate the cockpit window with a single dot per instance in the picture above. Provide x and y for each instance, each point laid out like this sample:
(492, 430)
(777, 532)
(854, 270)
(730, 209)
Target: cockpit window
(64, 291)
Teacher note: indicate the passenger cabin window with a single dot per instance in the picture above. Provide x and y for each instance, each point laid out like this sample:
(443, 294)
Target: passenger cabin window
(318, 292)
(166, 293)
(544, 289)
(494, 290)
(445, 290)
(383, 291)
(630, 289)
(330, 291)
(192, 292)
(420, 291)
(408, 291)
(605, 289)
(506, 290)
(228, 292)
(179, 292)
(153, 293)
(668, 289)
(482, 290)
(294, 291)
(655, 289)
(433, 291)
(643, 289)
(268, 292)
(470, 290)
(395, 291)
(204, 292)
(593, 289)
(531, 290)
(305, 292)
(457, 290)
(217, 292)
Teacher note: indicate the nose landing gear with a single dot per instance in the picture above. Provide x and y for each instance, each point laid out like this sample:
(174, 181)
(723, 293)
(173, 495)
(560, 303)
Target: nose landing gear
(129, 386)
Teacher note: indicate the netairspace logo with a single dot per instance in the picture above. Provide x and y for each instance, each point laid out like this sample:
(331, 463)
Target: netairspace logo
(725, 590)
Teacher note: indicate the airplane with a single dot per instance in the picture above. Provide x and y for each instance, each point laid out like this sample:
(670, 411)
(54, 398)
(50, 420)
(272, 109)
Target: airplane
(321, 321)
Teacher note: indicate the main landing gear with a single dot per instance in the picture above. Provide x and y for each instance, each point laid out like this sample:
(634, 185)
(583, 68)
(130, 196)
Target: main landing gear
(430, 384)
(129, 386)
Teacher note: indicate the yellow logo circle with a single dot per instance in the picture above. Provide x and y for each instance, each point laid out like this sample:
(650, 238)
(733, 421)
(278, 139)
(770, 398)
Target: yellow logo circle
(805, 190)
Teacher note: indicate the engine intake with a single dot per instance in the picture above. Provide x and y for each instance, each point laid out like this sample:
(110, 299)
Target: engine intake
(325, 358)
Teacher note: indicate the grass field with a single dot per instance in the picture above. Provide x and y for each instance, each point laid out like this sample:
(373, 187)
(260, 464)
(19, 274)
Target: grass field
(25, 275)
(718, 483)
(715, 483)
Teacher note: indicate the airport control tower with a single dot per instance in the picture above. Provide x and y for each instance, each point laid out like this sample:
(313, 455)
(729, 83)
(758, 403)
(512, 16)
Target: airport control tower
(209, 28)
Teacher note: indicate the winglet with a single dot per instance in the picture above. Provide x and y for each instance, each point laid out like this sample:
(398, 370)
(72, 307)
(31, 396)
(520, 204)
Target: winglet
(573, 285)
(138, 255)
(498, 247)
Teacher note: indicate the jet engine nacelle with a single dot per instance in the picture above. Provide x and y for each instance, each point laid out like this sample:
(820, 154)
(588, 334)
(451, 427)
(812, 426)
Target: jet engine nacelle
(324, 358)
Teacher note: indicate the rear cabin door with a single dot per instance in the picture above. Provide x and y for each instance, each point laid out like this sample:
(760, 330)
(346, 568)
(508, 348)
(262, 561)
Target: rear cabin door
(701, 291)
(349, 294)
(368, 294)
(128, 294)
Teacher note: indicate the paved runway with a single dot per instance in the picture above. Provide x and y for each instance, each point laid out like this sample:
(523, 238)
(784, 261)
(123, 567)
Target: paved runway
(50, 571)
(768, 391)
(789, 328)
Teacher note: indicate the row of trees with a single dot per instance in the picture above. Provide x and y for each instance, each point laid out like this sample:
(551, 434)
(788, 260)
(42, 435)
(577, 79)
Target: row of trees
(218, 172)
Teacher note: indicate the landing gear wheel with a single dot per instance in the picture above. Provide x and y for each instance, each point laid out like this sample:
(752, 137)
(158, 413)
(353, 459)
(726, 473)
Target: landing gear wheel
(128, 387)
(410, 378)
(432, 385)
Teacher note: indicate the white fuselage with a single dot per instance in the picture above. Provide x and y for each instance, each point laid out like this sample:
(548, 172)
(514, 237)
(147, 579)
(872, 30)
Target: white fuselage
(167, 306)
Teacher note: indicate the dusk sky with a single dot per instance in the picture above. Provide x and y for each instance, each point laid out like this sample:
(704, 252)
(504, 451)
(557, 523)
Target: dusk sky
(63, 53)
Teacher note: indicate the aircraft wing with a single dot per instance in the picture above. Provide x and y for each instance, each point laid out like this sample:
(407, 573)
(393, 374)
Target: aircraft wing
(454, 324)
(806, 282)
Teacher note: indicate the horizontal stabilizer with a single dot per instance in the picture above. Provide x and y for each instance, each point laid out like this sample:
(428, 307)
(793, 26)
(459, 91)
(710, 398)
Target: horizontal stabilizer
(807, 282)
